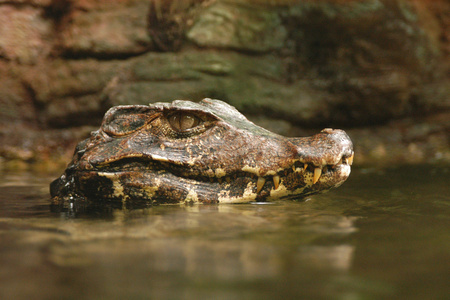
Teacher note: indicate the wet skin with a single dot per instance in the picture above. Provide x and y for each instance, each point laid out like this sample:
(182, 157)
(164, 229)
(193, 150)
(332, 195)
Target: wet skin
(206, 152)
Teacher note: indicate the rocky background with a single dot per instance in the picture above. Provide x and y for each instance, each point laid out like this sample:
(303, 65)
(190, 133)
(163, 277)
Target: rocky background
(379, 69)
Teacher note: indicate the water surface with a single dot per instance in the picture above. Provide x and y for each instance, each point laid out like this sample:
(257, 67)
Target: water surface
(385, 234)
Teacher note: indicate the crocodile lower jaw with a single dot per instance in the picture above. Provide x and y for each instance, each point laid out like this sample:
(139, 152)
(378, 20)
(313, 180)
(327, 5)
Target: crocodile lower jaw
(134, 182)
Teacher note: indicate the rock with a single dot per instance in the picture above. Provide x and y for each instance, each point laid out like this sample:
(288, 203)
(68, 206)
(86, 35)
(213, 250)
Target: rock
(25, 147)
(68, 92)
(373, 55)
(238, 25)
(432, 97)
(423, 139)
(105, 28)
(63, 78)
(35, 3)
(169, 20)
(25, 35)
(16, 105)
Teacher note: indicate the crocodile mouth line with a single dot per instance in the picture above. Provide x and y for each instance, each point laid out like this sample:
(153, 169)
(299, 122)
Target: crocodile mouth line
(145, 164)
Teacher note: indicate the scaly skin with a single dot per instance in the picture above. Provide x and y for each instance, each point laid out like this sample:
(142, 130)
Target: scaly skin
(207, 152)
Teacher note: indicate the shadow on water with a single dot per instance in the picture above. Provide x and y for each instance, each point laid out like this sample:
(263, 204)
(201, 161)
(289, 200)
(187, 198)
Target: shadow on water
(383, 234)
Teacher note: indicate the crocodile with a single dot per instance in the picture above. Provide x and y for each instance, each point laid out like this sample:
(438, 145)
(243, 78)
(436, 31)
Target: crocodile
(199, 152)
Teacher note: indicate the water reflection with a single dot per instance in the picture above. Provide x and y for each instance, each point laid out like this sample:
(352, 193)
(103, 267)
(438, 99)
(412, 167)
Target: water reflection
(378, 236)
(224, 241)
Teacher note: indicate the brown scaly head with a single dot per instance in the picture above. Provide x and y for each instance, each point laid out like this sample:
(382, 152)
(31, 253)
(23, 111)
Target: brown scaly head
(206, 152)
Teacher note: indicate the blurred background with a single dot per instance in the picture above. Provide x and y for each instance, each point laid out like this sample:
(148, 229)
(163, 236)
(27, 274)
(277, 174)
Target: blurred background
(379, 69)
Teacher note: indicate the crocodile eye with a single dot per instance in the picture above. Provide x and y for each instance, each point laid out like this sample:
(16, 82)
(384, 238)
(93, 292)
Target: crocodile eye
(184, 121)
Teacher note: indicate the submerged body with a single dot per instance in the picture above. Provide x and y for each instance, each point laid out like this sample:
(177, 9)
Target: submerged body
(206, 152)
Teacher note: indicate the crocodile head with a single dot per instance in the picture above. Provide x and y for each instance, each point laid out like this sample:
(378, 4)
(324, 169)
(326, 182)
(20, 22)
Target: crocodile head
(206, 152)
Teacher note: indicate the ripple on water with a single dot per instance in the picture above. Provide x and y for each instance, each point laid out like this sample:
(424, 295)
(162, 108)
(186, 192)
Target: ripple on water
(382, 234)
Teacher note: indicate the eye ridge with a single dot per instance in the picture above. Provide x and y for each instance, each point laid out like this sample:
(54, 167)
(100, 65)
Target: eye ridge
(124, 125)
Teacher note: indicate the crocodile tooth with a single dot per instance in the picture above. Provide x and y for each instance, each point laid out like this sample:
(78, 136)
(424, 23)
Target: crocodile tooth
(260, 184)
(317, 173)
(350, 159)
(276, 181)
(305, 166)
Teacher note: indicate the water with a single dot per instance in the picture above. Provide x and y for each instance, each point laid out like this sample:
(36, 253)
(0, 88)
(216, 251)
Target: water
(382, 235)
